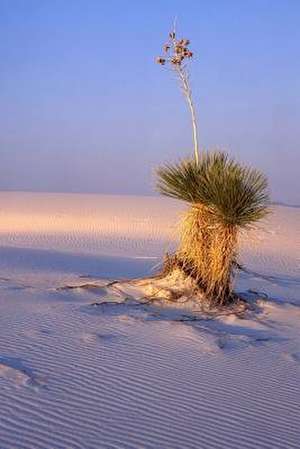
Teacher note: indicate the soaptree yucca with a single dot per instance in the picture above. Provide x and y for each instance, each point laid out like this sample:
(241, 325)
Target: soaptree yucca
(225, 197)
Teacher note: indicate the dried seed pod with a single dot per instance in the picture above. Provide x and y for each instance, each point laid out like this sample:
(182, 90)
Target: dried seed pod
(178, 49)
(160, 60)
(177, 60)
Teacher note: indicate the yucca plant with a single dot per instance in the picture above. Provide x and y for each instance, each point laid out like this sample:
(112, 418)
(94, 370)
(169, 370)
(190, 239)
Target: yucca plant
(225, 197)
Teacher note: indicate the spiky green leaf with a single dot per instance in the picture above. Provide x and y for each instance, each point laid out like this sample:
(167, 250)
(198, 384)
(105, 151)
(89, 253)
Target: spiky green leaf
(236, 194)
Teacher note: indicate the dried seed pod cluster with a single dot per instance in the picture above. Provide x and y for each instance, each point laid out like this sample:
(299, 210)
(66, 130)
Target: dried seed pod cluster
(176, 56)
(176, 51)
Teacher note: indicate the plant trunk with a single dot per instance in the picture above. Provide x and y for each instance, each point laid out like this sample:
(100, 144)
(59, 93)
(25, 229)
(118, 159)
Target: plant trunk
(188, 94)
(207, 253)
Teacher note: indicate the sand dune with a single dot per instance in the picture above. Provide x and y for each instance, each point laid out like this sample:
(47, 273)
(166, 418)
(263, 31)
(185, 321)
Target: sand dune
(78, 376)
(90, 224)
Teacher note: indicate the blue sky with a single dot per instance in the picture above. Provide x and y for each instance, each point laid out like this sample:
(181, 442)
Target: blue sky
(84, 108)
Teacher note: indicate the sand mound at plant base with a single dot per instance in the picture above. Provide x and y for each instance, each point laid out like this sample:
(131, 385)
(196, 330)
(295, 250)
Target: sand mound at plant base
(174, 287)
(174, 290)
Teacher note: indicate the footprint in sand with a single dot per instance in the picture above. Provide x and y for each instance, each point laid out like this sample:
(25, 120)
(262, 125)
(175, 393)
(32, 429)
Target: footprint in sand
(20, 377)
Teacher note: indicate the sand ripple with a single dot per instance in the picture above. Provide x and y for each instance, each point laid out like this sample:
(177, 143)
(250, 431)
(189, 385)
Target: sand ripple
(73, 376)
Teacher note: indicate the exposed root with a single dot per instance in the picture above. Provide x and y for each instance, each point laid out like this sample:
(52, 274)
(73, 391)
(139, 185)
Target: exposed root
(176, 291)
(174, 263)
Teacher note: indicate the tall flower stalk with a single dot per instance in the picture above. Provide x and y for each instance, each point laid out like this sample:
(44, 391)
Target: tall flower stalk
(177, 56)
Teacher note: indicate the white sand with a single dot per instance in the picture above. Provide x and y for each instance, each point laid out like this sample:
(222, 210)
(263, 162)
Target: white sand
(73, 375)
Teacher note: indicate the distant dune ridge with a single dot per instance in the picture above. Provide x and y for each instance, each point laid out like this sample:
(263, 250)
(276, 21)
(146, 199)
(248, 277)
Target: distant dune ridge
(128, 376)
(106, 224)
(124, 225)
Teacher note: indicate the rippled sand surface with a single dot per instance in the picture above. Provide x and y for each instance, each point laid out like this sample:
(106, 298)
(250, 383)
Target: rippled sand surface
(74, 375)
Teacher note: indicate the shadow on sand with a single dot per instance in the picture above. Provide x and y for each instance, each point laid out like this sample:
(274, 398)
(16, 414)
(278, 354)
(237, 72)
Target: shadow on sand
(86, 265)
